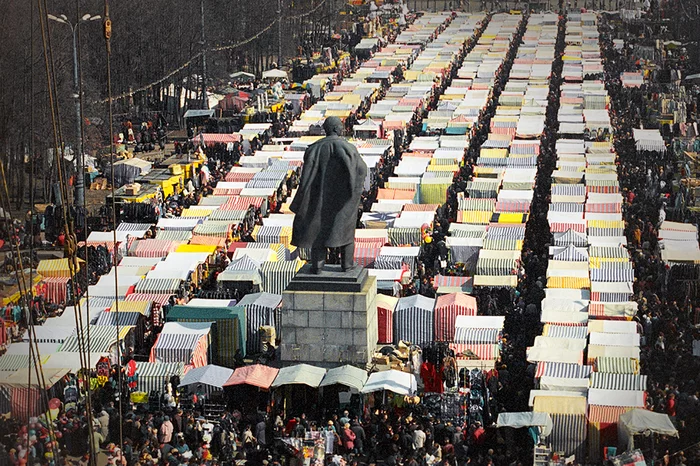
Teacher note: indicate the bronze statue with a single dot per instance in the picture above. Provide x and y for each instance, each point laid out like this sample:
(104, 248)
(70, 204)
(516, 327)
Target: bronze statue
(326, 204)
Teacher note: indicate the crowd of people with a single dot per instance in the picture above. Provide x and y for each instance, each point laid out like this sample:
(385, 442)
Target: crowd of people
(397, 432)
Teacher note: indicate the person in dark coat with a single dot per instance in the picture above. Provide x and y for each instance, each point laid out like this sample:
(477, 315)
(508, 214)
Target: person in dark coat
(326, 204)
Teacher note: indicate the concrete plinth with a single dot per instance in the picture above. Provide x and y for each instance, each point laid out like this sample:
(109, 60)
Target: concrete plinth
(329, 328)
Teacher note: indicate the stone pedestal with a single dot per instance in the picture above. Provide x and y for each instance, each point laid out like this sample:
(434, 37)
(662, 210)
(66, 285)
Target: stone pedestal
(329, 319)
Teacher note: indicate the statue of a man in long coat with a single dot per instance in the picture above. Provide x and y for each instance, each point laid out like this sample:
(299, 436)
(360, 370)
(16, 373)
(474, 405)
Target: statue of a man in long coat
(327, 201)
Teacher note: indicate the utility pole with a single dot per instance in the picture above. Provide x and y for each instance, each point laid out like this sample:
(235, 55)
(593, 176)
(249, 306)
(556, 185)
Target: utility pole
(279, 34)
(80, 178)
(205, 102)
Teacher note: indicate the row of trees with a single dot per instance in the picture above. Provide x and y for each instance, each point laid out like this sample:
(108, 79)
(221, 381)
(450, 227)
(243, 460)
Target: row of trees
(150, 40)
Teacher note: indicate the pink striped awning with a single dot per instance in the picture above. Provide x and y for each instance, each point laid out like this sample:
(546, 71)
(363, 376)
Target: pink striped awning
(512, 206)
(558, 227)
(155, 247)
(447, 308)
(365, 255)
(217, 241)
(604, 208)
(226, 192)
(449, 281)
(242, 203)
(243, 177)
(369, 242)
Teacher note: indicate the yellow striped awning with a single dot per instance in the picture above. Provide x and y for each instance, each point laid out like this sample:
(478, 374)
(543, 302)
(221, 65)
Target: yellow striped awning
(479, 217)
(606, 224)
(597, 262)
(56, 268)
(569, 282)
(141, 307)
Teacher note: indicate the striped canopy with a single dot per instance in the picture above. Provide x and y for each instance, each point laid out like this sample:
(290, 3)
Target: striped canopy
(277, 275)
(610, 381)
(562, 370)
(617, 365)
(168, 286)
(155, 375)
(476, 335)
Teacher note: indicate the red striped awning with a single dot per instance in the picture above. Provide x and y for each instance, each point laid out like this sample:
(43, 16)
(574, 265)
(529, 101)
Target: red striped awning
(603, 189)
(604, 208)
(420, 207)
(216, 138)
(155, 247)
(55, 289)
(606, 414)
(558, 227)
(241, 177)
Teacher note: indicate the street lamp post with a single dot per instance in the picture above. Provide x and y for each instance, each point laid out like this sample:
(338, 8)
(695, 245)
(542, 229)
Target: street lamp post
(80, 179)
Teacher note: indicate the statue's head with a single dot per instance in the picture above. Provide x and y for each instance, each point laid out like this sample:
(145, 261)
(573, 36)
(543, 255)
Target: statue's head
(333, 126)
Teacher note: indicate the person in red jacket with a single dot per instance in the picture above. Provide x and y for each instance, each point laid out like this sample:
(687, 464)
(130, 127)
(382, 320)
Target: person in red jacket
(671, 406)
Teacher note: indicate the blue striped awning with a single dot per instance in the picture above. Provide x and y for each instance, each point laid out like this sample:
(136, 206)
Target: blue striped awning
(267, 184)
(610, 381)
(570, 254)
(175, 347)
(277, 275)
(413, 320)
(612, 275)
(464, 335)
(158, 285)
(561, 370)
(568, 189)
(261, 309)
(570, 237)
(569, 207)
(566, 331)
(569, 434)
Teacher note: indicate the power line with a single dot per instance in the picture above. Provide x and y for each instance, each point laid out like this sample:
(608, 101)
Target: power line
(220, 48)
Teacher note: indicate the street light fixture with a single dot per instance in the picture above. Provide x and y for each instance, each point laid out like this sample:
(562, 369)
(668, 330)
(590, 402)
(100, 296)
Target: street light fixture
(80, 181)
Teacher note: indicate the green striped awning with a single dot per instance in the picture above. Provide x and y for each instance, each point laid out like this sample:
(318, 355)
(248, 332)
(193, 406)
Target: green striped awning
(154, 375)
(215, 228)
(404, 236)
(496, 266)
(617, 365)
(173, 235)
(477, 204)
(158, 285)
